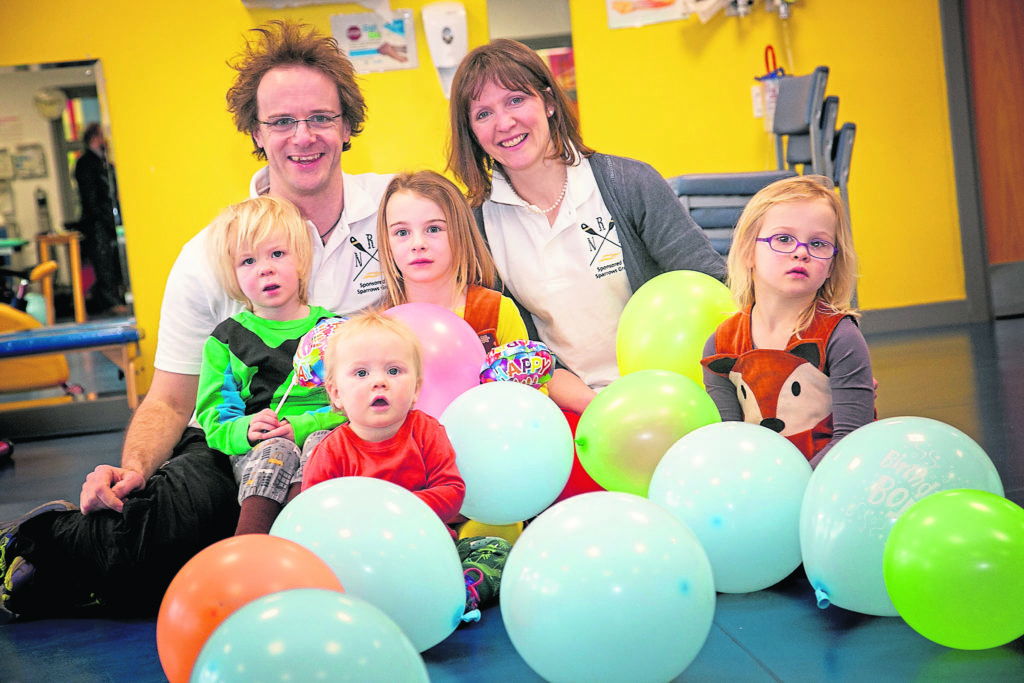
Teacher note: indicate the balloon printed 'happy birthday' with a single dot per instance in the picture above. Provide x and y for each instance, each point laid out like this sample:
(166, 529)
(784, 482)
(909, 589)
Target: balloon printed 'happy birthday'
(309, 356)
(308, 361)
(522, 361)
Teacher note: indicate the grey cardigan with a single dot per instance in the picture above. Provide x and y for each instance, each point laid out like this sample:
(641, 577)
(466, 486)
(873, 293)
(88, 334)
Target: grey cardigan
(657, 234)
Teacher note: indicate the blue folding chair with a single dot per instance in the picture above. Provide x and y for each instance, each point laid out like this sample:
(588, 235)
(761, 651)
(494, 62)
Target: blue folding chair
(802, 122)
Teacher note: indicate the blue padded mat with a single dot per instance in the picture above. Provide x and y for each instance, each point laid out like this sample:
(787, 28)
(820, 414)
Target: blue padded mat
(67, 337)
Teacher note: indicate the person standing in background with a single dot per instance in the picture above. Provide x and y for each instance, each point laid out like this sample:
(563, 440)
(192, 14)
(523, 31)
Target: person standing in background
(97, 189)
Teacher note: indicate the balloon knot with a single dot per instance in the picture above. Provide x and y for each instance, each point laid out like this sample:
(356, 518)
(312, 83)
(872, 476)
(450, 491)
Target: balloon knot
(822, 598)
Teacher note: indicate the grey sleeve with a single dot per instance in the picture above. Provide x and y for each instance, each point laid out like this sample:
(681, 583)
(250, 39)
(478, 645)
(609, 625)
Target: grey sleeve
(720, 389)
(851, 381)
(670, 234)
(658, 235)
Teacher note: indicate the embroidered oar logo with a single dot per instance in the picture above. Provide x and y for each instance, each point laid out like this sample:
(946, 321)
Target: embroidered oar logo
(604, 239)
(354, 241)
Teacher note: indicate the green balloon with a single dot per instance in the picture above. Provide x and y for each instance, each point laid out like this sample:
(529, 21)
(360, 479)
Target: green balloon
(954, 568)
(667, 321)
(628, 427)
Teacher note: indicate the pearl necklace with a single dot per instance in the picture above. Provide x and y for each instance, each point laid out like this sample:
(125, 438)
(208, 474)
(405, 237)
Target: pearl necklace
(536, 209)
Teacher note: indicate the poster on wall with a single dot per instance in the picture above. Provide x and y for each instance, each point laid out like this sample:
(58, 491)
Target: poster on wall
(10, 129)
(628, 13)
(374, 44)
(30, 161)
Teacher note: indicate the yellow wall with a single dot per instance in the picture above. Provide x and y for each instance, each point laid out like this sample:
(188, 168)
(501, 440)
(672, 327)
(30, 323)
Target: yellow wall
(407, 126)
(678, 96)
(674, 94)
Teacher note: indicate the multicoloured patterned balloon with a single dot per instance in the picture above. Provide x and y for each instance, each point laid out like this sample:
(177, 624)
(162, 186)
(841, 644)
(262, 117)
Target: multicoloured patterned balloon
(523, 361)
(309, 356)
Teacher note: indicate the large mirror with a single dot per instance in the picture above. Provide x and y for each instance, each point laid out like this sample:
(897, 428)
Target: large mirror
(45, 113)
(545, 26)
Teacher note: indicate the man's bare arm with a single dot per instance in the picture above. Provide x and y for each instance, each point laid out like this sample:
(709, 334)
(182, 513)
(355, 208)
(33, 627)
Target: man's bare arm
(159, 422)
(154, 430)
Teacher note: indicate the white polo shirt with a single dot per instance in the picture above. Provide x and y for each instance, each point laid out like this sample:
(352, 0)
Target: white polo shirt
(569, 275)
(346, 275)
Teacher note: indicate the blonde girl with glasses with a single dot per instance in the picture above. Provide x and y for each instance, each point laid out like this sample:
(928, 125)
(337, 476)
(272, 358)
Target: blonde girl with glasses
(793, 359)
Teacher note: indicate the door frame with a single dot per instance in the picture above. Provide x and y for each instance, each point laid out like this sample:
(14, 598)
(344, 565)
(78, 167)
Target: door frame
(965, 162)
(976, 307)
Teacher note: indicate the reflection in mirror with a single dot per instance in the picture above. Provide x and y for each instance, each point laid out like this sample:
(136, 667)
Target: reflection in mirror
(44, 114)
(545, 26)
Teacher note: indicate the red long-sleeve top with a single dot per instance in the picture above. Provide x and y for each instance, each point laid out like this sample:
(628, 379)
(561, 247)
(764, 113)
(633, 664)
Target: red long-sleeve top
(419, 458)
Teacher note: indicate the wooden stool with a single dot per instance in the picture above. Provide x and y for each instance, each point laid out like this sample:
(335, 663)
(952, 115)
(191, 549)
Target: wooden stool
(71, 239)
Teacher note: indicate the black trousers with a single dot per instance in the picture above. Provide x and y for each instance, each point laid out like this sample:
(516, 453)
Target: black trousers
(126, 560)
(99, 245)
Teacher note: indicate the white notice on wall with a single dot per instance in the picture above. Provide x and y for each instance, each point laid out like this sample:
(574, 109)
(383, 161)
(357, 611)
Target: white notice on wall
(377, 45)
(629, 13)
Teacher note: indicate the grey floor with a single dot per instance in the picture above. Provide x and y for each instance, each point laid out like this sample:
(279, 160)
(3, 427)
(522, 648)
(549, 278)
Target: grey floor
(971, 377)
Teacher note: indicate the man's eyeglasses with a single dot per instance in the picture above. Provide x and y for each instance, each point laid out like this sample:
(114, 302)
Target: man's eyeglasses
(287, 125)
(787, 244)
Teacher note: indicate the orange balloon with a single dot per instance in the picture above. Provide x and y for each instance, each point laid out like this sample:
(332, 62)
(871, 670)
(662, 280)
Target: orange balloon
(219, 580)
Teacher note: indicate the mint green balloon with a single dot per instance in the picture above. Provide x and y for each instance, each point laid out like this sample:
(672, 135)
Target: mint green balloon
(859, 490)
(607, 587)
(631, 423)
(739, 487)
(376, 536)
(308, 634)
(513, 448)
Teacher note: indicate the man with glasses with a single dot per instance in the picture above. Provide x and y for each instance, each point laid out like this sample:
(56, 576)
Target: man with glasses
(295, 95)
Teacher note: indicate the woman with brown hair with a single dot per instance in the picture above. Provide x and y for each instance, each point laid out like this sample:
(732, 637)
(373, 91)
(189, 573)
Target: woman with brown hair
(573, 232)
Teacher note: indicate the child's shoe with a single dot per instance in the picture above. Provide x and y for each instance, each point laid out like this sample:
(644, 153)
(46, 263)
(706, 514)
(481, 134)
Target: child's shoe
(473, 577)
(483, 559)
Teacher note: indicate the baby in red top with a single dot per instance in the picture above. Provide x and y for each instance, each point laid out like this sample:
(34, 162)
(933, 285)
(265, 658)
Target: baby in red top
(373, 373)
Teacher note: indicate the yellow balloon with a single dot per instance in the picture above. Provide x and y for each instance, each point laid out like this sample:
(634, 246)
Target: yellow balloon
(667, 321)
(510, 532)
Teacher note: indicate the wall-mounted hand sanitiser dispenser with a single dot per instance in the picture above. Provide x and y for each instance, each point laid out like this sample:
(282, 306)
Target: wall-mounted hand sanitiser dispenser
(447, 37)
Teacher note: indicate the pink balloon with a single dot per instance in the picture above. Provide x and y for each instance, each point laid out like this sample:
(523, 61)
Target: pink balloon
(452, 354)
